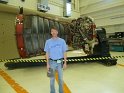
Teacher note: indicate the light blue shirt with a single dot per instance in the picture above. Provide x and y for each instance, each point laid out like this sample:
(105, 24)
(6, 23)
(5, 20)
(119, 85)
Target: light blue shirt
(55, 48)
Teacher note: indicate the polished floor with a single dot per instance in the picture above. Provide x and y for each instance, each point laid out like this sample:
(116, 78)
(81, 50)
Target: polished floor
(79, 78)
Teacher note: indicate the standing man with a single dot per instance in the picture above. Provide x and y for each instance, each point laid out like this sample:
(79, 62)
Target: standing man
(55, 49)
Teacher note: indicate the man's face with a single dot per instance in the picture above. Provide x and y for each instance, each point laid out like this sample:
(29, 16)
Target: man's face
(54, 32)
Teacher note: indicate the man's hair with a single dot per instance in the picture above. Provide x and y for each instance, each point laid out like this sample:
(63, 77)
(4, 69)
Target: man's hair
(54, 27)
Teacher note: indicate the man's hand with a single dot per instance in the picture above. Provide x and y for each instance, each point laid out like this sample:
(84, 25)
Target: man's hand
(65, 59)
(65, 65)
(48, 66)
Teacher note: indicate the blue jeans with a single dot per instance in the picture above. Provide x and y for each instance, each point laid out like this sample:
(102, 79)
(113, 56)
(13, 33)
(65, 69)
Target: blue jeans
(56, 67)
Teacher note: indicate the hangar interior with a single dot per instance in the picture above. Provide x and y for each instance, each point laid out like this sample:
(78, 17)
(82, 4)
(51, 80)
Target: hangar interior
(82, 77)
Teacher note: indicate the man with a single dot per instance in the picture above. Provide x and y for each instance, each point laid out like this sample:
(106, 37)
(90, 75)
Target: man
(55, 49)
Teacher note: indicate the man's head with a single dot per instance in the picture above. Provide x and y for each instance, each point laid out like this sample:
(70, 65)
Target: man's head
(54, 31)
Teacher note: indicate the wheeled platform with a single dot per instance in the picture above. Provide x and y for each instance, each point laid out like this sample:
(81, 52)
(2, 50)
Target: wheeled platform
(106, 60)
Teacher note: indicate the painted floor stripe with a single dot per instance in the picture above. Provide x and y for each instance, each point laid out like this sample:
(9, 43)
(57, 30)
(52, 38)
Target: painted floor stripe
(12, 83)
(121, 65)
(65, 87)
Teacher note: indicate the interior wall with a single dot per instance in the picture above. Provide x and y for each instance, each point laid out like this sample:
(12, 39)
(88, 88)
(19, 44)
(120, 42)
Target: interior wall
(8, 47)
(104, 12)
(97, 5)
(114, 28)
(56, 6)
(29, 4)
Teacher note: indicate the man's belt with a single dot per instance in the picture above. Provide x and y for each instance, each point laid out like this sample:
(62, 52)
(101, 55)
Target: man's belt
(56, 59)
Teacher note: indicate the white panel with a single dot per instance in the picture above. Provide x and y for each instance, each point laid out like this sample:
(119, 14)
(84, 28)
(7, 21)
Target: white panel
(67, 9)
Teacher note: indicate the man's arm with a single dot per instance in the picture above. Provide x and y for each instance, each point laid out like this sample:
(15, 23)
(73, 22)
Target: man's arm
(65, 57)
(46, 49)
(47, 60)
(65, 60)
(65, 54)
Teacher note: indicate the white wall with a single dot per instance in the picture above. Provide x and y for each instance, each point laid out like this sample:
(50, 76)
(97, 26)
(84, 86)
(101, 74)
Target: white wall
(56, 6)
(98, 5)
(29, 4)
(105, 12)
(114, 28)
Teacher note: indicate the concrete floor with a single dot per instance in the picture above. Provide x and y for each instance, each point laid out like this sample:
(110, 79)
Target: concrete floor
(80, 78)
